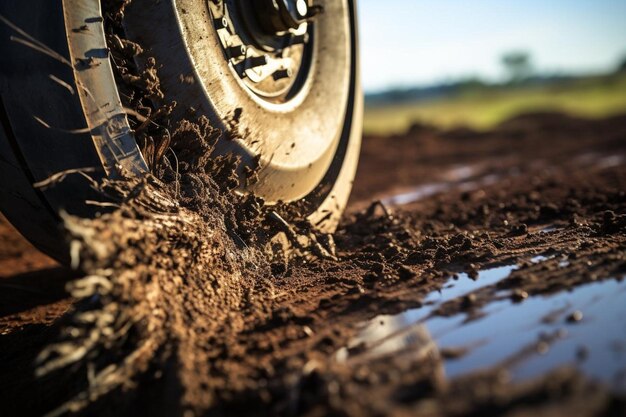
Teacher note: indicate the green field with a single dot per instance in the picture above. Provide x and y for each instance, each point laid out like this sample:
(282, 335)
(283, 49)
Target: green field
(483, 108)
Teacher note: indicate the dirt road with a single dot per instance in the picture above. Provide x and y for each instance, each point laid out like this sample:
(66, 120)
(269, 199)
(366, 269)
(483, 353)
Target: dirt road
(486, 280)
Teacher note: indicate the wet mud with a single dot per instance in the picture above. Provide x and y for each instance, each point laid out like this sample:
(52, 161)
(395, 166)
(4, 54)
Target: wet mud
(473, 274)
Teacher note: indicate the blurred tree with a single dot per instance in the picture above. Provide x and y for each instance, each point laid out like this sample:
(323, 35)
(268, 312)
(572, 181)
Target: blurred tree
(622, 66)
(518, 65)
(470, 85)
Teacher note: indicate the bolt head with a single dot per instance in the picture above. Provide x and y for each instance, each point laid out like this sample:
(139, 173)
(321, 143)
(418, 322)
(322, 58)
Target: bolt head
(257, 61)
(282, 73)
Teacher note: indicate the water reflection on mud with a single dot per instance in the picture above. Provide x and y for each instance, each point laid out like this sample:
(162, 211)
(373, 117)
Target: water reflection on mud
(470, 177)
(584, 327)
(463, 178)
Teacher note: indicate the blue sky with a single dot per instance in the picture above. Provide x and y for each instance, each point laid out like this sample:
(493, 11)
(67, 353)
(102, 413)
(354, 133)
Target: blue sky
(409, 42)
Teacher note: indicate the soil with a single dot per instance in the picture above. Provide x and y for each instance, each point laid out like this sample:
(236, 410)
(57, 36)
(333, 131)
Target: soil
(172, 315)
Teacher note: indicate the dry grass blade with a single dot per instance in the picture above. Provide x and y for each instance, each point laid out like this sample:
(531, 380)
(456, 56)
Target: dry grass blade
(62, 83)
(60, 176)
(31, 42)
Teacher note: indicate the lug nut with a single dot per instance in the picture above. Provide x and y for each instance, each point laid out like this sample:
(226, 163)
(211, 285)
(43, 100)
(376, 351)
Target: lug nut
(236, 51)
(282, 73)
(221, 23)
(257, 61)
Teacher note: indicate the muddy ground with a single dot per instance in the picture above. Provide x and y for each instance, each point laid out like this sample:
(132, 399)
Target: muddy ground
(485, 279)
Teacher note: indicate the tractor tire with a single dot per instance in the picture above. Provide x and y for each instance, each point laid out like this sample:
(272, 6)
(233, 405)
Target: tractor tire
(288, 70)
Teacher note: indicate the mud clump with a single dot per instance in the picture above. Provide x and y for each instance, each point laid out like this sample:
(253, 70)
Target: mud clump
(160, 282)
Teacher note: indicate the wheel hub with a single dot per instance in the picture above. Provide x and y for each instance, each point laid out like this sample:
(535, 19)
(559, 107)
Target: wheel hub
(268, 45)
(281, 98)
(281, 15)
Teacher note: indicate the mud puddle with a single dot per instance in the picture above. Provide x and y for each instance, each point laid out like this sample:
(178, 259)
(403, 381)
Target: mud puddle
(583, 328)
(598, 160)
(467, 178)
(462, 178)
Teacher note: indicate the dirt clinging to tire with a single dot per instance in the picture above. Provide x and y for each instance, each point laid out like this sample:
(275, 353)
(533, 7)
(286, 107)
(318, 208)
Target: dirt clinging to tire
(161, 283)
(174, 273)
